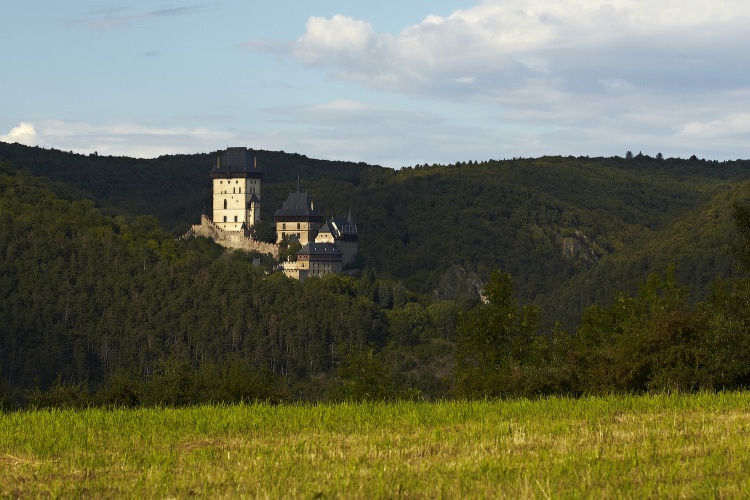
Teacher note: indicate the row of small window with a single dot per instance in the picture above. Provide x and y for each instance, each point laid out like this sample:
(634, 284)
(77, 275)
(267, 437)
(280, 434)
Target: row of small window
(283, 226)
(248, 205)
(237, 182)
(235, 218)
(252, 191)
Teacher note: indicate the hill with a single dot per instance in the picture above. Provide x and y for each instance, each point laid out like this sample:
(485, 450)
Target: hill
(112, 309)
(544, 220)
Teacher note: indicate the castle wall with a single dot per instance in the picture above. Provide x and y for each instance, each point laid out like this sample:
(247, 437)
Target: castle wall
(232, 239)
(348, 251)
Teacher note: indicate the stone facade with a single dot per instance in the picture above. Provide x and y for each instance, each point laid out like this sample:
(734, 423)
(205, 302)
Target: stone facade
(236, 190)
(298, 217)
(239, 240)
(314, 259)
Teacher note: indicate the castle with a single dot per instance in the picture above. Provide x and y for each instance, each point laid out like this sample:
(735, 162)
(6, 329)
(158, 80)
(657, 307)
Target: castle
(326, 246)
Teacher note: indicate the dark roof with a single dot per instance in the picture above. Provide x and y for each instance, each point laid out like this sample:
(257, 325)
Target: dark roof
(237, 162)
(298, 205)
(254, 198)
(340, 225)
(320, 249)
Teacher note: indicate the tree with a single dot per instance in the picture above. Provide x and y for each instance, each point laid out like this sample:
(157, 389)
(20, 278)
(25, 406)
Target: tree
(741, 218)
(363, 378)
(629, 155)
(493, 340)
(262, 231)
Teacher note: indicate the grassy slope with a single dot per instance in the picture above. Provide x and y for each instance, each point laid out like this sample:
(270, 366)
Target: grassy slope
(663, 445)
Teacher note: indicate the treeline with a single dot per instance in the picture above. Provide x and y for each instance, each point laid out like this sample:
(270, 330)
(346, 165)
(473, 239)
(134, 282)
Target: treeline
(96, 309)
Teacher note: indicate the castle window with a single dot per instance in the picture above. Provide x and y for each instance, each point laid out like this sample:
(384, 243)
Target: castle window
(225, 204)
(235, 218)
(233, 190)
(298, 225)
(225, 218)
(283, 226)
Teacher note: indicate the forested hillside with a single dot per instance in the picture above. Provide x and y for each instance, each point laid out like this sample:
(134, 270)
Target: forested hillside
(100, 303)
(542, 220)
(85, 296)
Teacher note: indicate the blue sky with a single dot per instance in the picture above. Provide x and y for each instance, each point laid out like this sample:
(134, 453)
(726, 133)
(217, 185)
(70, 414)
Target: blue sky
(389, 83)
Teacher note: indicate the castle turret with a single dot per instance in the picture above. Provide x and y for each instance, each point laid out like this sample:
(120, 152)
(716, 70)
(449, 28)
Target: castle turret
(236, 190)
(343, 232)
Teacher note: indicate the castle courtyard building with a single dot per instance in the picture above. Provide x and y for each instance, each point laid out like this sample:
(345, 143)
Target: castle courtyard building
(315, 259)
(298, 217)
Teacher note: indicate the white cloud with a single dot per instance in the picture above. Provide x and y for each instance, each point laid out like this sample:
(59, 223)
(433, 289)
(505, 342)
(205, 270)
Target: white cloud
(118, 139)
(500, 46)
(563, 76)
(355, 131)
(733, 124)
(22, 134)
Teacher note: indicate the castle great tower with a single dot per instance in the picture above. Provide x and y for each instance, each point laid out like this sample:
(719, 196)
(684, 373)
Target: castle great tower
(236, 190)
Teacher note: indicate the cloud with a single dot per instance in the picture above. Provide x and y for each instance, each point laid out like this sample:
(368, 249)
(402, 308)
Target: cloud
(559, 77)
(118, 139)
(355, 131)
(499, 47)
(103, 20)
(22, 134)
(733, 124)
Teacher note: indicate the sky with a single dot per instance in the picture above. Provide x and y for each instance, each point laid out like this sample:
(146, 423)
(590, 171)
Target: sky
(387, 83)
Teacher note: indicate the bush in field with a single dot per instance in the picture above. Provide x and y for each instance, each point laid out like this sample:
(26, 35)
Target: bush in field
(60, 395)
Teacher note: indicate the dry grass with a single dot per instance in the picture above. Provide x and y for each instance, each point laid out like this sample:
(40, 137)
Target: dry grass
(653, 446)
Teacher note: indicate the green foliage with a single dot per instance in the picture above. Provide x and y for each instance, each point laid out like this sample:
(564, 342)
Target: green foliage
(363, 378)
(60, 395)
(741, 218)
(263, 231)
(657, 341)
(288, 249)
(493, 340)
(125, 310)
(98, 308)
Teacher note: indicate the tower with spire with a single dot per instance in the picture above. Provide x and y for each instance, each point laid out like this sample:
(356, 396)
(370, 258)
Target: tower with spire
(298, 218)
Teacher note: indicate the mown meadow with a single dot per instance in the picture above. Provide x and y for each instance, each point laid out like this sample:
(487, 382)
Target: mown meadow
(665, 445)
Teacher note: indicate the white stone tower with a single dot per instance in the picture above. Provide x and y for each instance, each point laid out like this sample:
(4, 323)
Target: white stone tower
(236, 190)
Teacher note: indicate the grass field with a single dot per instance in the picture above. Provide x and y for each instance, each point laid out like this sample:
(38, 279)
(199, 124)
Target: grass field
(650, 446)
